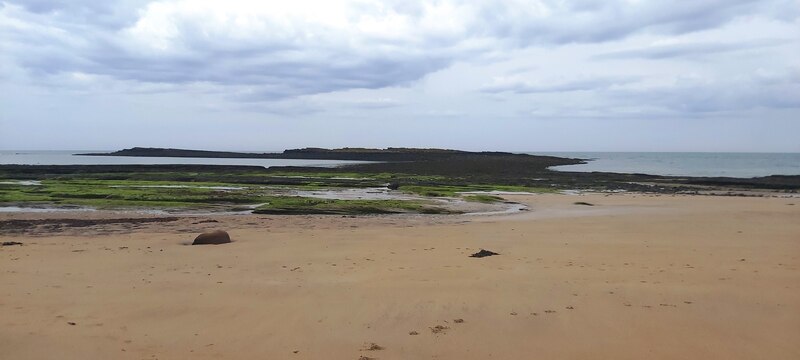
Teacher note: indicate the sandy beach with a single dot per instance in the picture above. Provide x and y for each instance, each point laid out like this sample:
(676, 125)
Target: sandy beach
(632, 277)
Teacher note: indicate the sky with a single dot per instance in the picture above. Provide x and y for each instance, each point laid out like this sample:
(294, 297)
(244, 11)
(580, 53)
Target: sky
(513, 75)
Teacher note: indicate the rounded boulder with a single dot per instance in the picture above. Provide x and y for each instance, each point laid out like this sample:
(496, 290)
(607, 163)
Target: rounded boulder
(212, 238)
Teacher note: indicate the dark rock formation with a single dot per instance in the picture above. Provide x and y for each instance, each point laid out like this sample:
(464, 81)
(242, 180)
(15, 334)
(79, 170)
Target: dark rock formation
(212, 238)
(483, 253)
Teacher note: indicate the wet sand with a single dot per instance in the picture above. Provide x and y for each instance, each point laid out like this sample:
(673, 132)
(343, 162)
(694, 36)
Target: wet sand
(632, 277)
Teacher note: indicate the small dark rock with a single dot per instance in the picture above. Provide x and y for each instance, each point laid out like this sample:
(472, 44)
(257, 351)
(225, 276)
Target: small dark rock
(11, 243)
(72, 323)
(483, 253)
(438, 329)
(583, 203)
(392, 186)
(212, 238)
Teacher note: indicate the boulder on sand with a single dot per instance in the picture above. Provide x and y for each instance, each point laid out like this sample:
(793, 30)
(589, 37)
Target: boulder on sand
(212, 238)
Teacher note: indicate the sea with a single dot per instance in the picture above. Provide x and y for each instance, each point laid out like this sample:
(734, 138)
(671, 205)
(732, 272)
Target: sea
(46, 157)
(727, 164)
(742, 165)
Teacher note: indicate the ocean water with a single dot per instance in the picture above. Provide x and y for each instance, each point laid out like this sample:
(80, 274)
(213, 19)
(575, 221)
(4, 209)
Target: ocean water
(68, 158)
(742, 165)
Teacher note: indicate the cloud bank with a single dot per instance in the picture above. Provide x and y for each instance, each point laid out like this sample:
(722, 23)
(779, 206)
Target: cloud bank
(301, 58)
(279, 49)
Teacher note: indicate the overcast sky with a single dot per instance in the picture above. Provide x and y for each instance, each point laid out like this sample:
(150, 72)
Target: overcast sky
(547, 75)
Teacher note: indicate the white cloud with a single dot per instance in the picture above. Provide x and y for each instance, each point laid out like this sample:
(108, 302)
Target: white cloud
(516, 61)
(305, 47)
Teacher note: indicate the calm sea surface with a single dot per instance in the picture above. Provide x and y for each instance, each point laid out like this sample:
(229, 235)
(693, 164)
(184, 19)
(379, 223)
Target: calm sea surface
(685, 164)
(67, 158)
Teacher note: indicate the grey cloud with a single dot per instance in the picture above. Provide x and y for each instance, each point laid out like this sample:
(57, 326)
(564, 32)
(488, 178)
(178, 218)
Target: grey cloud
(691, 49)
(600, 21)
(683, 98)
(520, 87)
(75, 37)
(49, 6)
(278, 69)
(686, 97)
(92, 13)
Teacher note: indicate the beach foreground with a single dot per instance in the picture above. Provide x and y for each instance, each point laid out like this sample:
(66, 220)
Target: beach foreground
(632, 277)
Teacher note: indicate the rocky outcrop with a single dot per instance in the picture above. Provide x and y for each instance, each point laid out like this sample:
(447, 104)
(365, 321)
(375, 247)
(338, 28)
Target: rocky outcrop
(212, 238)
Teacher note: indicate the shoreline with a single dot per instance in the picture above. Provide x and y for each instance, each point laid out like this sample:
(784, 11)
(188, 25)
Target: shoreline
(49, 209)
(517, 205)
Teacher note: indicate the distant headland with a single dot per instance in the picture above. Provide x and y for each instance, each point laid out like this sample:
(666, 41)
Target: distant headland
(348, 153)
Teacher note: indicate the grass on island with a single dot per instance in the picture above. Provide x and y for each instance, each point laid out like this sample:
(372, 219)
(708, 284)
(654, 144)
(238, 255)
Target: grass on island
(238, 190)
(104, 194)
(306, 179)
(305, 205)
(122, 194)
